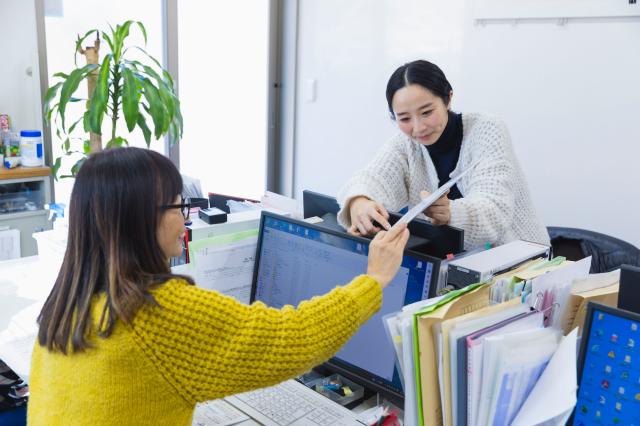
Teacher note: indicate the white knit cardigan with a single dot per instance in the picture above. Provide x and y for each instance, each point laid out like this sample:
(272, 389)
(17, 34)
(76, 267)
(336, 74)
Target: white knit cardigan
(496, 206)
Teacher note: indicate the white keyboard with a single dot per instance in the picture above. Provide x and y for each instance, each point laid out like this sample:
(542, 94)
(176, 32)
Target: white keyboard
(292, 403)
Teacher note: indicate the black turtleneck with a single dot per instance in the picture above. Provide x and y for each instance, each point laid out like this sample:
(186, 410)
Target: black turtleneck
(445, 152)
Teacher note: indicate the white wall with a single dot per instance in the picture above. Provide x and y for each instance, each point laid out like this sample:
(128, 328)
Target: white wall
(570, 96)
(19, 92)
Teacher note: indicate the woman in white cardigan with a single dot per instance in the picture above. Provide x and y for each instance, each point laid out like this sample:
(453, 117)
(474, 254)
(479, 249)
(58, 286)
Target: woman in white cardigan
(491, 203)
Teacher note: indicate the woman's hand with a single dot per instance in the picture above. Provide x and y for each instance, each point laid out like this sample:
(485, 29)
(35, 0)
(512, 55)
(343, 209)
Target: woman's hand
(385, 253)
(364, 212)
(440, 211)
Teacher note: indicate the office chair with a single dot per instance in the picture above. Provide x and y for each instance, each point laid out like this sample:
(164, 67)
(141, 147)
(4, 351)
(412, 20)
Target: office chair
(607, 252)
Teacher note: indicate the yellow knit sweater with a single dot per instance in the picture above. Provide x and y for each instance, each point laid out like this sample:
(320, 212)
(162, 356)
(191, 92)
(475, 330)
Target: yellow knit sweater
(200, 345)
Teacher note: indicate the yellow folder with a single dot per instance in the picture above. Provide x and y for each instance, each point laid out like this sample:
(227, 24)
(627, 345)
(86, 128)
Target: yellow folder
(430, 412)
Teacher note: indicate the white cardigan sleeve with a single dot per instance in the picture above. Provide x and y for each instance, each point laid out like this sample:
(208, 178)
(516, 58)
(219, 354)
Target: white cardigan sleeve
(487, 210)
(383, 180)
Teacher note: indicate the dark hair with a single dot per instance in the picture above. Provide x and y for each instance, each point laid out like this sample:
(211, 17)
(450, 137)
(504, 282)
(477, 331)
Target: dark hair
(422, 73)
(112, 246)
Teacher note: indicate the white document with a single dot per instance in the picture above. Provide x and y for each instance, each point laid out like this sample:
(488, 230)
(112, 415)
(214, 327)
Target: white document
(271, 200)
(464, 329)
(482, 365)
(420, 207)
(410, 396)
(9, 244)
(559, 283)
(515, 362)
(227, 268)
(595, 281)
(217, 413)
(552, 399)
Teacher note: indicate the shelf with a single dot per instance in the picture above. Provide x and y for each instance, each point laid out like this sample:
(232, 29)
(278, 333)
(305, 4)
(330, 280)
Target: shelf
(24, 172)
(23, 213)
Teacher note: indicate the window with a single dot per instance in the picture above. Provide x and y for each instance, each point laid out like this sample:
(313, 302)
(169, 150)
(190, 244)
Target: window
(223, 84)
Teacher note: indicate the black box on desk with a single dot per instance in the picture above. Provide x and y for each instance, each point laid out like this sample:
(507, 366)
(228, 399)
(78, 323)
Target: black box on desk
(212, 215)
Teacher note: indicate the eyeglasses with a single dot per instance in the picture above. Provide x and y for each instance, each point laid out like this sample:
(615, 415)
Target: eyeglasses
(184, 207)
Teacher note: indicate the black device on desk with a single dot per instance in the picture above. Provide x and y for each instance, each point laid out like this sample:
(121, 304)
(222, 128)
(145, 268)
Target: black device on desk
(212, 215)
(220, 201)
(296, 260)
(434, 240)
(608, 368)
(629, 294)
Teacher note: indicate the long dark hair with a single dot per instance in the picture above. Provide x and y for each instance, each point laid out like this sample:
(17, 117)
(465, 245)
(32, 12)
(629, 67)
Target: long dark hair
(422, 73)
(112, 246)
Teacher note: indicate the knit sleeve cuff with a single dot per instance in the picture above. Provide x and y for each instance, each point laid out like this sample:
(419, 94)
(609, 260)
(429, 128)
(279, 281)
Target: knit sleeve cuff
(367, 293)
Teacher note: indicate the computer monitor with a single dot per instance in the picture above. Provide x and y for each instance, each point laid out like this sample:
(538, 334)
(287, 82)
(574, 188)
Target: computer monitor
(434, 240)
(629, 295)
(608, 374)
(296, 260)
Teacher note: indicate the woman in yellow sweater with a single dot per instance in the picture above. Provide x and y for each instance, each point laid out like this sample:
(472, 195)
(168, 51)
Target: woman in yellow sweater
(123, 341)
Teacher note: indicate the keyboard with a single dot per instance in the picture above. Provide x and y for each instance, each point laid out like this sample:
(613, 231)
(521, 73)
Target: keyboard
(292, 403)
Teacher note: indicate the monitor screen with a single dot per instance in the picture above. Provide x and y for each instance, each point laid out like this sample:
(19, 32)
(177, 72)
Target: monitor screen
(609, 383)
(296, 261)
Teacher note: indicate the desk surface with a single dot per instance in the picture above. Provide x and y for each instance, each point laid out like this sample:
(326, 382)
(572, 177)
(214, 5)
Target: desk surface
(24, 286)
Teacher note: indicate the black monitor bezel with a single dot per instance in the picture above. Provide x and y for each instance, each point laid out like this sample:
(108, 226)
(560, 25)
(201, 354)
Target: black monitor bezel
(592, 307)
(335, 364)
(628, 295)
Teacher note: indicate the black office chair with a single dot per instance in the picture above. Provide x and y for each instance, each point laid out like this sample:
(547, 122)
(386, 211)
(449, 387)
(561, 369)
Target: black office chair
(607, 252)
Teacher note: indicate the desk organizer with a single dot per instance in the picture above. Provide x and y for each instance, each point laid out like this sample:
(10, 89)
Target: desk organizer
(338, 389)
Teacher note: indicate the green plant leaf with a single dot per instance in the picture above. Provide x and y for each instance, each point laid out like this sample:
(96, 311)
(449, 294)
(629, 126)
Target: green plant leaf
(48, 97)
(165, 74)
(61, 74)
(86, 146)
(79, 45)
(66, 145)
(122, 32)
(70, 86)
(56, 167)
(156, 108)
(73, 126)
(76, 167)
(144, 31)
(98, 103)
(108, 39)
(85, 121)
(130, 98)
(142, 123)
(117, 142)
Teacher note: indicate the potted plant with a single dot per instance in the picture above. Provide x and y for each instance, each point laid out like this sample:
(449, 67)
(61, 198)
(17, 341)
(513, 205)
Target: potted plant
(118, 87)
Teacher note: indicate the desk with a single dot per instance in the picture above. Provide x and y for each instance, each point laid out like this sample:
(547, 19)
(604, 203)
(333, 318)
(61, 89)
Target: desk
(25, 284)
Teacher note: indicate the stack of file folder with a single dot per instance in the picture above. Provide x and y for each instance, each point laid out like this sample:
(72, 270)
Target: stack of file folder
(477, 355)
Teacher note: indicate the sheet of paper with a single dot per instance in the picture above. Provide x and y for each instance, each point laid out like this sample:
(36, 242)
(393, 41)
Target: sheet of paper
(553, 397)
(465, 325)
(271, 200)
(217, 413)
(9, 244)
(517, 361)
(557, 284)
(410, 395)
(420, 207)
(481, 366)
(595, 281)
(25, 284)
(225, 263)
